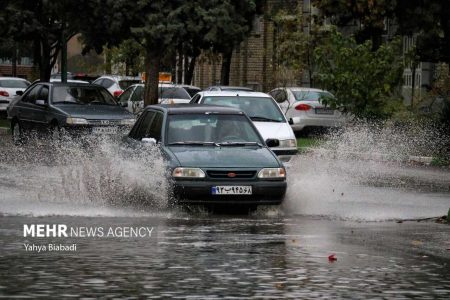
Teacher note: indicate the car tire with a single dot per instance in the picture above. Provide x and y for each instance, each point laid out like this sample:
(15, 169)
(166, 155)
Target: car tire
(17, 133)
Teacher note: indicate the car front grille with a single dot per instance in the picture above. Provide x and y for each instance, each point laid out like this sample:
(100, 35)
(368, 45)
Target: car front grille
(220, 174)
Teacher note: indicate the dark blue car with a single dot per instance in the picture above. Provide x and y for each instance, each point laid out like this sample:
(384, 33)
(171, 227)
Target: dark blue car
(215, 155)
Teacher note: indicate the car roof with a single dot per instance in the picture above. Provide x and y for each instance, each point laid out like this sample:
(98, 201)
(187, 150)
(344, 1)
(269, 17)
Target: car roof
(230, 87)
(119, 77)
(13, 78)
(235, 93)
(178, 109)
(308, 89)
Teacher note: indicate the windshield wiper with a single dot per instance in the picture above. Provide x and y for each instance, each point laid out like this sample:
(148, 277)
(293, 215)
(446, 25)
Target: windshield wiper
(240, 144)
(263, 119)
(195, 143)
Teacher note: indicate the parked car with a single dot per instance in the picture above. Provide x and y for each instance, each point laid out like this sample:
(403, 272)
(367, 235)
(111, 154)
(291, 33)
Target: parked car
(74, 107)
(9, 87)
(304, 107)
(214, 155)
(263, 111)
(133, 97)
(228, 88)
(115, 84)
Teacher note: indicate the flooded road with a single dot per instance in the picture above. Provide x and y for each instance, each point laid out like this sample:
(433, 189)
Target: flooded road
(371, 215)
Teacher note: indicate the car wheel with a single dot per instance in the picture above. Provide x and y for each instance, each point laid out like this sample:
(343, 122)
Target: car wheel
(17, 132)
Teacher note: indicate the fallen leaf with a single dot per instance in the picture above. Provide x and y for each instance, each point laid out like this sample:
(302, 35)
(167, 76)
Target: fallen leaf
(332, 258)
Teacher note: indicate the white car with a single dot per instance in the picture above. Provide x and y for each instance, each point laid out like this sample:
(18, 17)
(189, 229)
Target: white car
(115, 84)
(303, 106)
(262, 110)
(9, 86)
(133, 97)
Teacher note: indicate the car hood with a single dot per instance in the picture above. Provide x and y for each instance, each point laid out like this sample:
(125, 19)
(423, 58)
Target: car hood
(94, 112)
(274, 130)
(224, 157)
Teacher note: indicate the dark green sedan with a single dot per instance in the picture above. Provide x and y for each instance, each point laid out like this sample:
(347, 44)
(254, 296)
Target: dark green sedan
(215, 155)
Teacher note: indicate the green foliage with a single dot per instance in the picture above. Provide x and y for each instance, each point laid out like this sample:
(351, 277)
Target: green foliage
(363, 81)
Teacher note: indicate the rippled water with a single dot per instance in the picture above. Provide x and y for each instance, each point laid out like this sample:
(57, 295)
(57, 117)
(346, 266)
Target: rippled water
(336, 204)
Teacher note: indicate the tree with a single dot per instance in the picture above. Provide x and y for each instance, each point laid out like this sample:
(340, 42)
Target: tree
(363, 81)
(366, 18)
(43, 24)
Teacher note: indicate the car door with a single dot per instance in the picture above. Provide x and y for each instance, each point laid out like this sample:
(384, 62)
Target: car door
(41, 111)
(26, 107)
(124, 99)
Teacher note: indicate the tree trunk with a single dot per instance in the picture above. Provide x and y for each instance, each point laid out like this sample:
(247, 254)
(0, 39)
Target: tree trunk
(226, 64)
(14, 60)
(45, 66)
(190, 71)
(152, 65)
(180, 64)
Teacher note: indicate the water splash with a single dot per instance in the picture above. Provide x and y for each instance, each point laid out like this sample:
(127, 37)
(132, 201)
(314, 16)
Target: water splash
(87, 176)
(360, 173)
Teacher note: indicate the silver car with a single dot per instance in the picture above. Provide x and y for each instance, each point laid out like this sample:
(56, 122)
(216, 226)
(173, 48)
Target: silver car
(303, 106)
(9, 86)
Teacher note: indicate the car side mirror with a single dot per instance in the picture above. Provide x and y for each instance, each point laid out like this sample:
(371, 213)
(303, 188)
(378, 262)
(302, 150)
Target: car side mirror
(19, 93)
(149, 141)
(40, 102)
(272, 143)
(291, 122)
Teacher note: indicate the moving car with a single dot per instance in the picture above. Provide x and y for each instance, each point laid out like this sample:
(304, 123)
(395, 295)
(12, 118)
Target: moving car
(133, 97)
(214, 155)
(263, 111)
(75, 107)
(303, 106)
(115, 84)
(9, 86)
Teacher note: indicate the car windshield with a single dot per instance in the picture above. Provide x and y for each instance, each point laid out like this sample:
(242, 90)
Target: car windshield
(310, 95)
(81, 95)
(191, 90)
(126, 83)
(194, 129)
(9, 83)
(173, 92)
(257, 108)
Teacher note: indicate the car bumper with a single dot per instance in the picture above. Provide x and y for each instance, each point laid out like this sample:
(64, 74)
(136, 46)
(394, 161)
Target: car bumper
(200, 192)
(302, 122)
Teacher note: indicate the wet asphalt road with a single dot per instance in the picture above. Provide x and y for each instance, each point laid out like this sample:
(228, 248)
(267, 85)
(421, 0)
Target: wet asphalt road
(365, 213)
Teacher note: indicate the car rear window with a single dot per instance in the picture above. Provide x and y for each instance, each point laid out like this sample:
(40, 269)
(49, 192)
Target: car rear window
(254, 107)
(124, 84)
(310, 95)
(20, 84)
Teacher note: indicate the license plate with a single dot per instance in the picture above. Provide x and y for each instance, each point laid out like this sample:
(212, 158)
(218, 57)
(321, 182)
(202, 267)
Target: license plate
(231, 190)
(104, 130)
(324, 111)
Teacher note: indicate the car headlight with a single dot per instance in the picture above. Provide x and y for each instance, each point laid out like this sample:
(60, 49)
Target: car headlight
(188, 173)
(76, 121)
(272, 173)
(292, 143)
(127, 122)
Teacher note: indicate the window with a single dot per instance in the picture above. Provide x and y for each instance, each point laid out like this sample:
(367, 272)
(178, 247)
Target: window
(123, 98)
(196, 99)
(155, 127)
(143, 125)
(21, 84)
(106, 83)
(138, 94)
(31, 96)
(43, 94)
